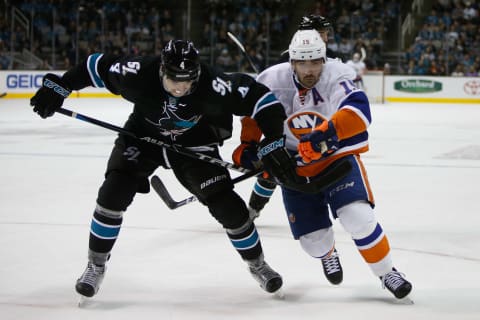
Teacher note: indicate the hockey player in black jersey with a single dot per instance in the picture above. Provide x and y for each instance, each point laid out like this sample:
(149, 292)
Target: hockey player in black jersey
(182, 102)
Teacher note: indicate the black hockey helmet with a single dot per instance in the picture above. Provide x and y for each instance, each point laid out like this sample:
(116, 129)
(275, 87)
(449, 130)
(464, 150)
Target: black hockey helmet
(316, 22)
(180, 61)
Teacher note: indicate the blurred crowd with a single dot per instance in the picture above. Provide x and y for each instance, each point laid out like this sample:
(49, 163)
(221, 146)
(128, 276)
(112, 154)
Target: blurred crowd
(359, 24)
(448, 42)
(260, 26)
(121, 27)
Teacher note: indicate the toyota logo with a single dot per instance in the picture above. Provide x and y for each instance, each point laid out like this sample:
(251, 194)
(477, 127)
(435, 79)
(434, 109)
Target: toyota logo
(472, 87)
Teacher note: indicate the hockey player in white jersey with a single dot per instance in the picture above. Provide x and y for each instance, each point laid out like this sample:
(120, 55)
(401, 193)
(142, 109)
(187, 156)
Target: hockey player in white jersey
(327, 120)
(263, 189)
(359, 67)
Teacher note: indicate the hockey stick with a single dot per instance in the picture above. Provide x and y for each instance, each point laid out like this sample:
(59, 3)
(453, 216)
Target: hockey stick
(162, 191)
(3, 94)
(174, 148)
(339, 171)
(308, 187)
(363, 54)
(242, 48)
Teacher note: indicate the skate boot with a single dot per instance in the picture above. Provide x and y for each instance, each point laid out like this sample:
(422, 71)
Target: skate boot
(89, 283)
(395, 282)
(268, 279)
(332, 268)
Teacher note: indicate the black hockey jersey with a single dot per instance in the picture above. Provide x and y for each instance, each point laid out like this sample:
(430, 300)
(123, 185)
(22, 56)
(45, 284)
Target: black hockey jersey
(202, 117)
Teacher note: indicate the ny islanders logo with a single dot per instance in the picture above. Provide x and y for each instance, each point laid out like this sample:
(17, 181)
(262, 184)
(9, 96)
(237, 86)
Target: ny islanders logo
(303, 123)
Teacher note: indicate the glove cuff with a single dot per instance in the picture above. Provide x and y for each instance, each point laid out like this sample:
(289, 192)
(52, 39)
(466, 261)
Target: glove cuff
(54, 82)
(267, 146)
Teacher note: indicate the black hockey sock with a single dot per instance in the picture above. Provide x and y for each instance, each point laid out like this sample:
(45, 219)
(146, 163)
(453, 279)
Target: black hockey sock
(104, 232)
(246, 241)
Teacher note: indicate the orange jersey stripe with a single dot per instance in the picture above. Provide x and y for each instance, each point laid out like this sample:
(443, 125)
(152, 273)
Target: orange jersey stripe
(347, 123)
(377, 252)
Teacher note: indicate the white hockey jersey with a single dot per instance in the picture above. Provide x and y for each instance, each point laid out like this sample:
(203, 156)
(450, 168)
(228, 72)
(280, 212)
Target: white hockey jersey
(358, 66)
(334, 97)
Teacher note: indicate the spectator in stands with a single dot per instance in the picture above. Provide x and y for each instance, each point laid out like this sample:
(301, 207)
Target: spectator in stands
(470, 12)
(387, 69)
(458, 72)
(345, 47)
(359, 67)
(224, 61)
(472, 72)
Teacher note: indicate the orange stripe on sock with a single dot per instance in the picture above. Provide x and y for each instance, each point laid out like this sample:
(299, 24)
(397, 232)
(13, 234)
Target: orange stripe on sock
(376, 253)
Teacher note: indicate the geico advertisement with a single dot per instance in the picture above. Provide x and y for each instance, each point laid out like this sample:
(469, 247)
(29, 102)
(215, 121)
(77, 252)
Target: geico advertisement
(23, 84)
(21, 81)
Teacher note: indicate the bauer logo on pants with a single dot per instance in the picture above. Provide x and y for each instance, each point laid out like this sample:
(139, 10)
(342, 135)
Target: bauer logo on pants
(210, 181)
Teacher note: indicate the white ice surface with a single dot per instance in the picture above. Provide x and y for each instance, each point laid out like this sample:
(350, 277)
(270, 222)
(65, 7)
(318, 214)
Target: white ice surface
(424, 167)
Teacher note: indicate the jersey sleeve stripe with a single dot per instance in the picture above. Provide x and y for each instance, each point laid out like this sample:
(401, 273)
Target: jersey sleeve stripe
(359, 113)
(349, 123)
(358, 102)
(266, 100)
(92, 67)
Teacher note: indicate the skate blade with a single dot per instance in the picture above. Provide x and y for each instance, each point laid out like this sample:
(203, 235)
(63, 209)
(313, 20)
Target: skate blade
(279, 294)
(406, 301)
(83, 301)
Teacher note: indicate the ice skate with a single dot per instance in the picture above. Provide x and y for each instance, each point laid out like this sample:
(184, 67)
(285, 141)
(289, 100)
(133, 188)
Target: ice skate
(268, 279)
(396, 283)
(332, 268)
(89, 283)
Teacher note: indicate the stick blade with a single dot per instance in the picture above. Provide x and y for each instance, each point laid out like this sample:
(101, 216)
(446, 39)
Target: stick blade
(161, 190)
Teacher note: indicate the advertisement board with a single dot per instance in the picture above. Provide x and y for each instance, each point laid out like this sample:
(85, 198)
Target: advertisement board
(23, 84)
(380, 88)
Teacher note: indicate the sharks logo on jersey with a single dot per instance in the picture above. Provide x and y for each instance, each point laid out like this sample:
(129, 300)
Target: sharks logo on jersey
(174, 120)
(303, 123)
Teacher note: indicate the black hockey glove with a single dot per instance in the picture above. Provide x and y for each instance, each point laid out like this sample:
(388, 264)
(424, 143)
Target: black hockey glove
(277, 161)
(49, 98)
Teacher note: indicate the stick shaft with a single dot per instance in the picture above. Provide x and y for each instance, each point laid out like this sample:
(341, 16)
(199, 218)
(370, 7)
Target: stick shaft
(178, 149)
(242, 48)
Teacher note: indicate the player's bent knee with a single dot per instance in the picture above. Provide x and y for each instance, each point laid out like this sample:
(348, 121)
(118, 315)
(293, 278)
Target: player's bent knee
(228, 208)
(117, 191)
(318, 243)
(358, 219)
